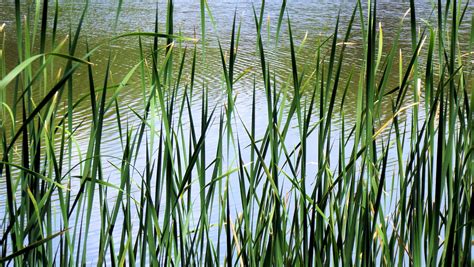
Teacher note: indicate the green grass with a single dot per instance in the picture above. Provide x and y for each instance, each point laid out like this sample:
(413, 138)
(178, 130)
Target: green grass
(208, 187)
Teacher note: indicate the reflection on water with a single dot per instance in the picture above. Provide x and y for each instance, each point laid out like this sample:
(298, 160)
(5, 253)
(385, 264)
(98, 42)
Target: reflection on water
(312, 22)
(314, 18)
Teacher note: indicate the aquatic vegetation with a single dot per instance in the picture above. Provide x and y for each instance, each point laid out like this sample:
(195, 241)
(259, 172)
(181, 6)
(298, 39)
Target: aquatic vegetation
(193, 183)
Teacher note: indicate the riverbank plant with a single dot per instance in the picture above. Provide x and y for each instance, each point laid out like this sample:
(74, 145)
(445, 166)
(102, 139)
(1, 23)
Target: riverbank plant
(192, 182)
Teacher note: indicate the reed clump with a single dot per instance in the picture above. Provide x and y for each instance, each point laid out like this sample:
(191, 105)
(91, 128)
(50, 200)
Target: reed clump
(193, 183)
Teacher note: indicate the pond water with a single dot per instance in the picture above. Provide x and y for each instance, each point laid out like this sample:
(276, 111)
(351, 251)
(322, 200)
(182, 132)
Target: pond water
(311, 21)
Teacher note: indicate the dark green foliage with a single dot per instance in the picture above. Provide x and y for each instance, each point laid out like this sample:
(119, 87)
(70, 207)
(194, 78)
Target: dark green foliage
(385, 190)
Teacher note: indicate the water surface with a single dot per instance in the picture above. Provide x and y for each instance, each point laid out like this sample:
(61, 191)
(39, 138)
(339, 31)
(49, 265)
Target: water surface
(312, 22)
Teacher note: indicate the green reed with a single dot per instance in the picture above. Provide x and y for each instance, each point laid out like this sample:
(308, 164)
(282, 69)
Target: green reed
(391, 190)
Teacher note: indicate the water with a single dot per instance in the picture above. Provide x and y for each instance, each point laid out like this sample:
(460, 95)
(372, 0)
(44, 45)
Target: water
(313, 19)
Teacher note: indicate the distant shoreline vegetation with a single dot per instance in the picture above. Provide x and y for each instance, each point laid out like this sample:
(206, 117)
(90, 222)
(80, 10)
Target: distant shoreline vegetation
(326, 165)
